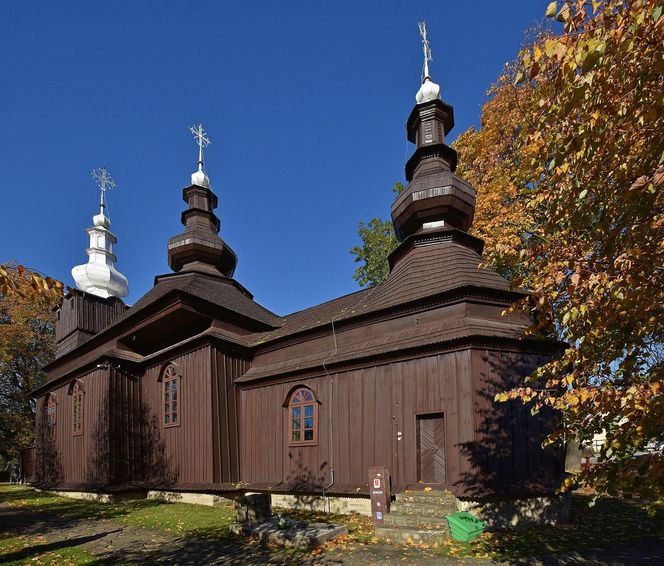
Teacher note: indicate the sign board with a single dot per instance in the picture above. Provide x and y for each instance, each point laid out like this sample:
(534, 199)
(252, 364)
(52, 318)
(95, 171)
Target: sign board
(379, 490)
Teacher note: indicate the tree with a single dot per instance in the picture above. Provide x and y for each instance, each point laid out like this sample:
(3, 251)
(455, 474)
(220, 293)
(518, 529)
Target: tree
(583, 194)
(27, 343)
(378, 241)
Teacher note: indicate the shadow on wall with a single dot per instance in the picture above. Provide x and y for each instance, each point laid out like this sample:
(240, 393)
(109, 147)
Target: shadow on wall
(306, 485)
(99, 453)
(129, 449)
(49, 466)
(506, 458)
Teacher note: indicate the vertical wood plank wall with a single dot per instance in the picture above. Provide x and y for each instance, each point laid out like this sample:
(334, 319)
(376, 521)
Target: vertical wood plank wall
(126, 427)
(226, 443)
(179, 455)
(485, 447)
(80, 459)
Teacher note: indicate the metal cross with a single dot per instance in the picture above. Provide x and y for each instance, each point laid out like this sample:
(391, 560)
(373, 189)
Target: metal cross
(104, 181)
(426, 48)
(202, 140)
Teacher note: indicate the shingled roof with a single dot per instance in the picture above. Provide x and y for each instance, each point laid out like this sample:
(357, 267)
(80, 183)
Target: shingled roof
(432, 267)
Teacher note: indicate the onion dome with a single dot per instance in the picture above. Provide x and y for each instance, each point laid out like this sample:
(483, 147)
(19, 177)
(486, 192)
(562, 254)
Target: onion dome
(99, 276)
(199, 247)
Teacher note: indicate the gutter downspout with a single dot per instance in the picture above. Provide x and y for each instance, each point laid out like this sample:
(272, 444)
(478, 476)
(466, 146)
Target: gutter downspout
(331, 383)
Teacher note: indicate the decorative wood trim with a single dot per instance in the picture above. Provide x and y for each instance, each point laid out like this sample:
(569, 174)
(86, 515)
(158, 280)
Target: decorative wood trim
(170, 379)
(301, 398)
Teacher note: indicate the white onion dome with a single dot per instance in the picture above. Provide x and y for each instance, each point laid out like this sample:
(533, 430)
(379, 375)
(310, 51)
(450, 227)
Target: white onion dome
(101, 220)
(428, 91)
(200, 178)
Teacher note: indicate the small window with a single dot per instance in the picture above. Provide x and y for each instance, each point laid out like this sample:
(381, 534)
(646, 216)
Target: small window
(171, 397)
(77, 409)
(51, 413)
(303, 418)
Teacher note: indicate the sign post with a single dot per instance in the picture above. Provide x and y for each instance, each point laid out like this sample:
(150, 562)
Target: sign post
(379, 490)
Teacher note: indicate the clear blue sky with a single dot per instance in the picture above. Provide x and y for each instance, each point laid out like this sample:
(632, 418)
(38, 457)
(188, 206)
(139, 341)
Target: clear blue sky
(305, 103)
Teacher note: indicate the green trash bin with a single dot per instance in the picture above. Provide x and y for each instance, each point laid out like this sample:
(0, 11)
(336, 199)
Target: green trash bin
(464, 526)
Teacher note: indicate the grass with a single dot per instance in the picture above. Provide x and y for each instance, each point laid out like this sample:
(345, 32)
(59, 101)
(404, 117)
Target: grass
(609, 522)
(179, 518)
(37, 550)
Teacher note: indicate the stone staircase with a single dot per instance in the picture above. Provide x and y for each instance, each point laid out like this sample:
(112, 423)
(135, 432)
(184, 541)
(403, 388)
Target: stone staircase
(418, 517)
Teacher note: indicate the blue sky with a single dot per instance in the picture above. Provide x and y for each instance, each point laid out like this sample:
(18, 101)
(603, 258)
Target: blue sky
(305, 103)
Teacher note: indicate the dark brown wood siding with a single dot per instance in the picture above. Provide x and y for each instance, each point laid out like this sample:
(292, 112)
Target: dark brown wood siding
(226, 444)
(63, 458)
(181, 455)
(368, 417)
(126, 427)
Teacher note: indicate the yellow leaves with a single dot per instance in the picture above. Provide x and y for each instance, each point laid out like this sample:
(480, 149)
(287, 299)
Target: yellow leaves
(568, 379)
(551, 9)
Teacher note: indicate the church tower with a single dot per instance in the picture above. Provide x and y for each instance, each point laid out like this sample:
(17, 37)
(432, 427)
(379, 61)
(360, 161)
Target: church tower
(434, 197)
(199, 247)
(101, 287)
(98, 276)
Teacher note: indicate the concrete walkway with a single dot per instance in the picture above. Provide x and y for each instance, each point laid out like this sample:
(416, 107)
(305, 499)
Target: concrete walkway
(114, 543)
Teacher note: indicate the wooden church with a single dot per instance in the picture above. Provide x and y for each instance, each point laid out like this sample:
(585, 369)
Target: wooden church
(198, 388)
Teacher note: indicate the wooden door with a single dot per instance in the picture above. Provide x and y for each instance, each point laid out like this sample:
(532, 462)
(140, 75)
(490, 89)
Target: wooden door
(431, 448)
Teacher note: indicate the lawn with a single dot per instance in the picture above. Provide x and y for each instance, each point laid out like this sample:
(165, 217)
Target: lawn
(180, 518)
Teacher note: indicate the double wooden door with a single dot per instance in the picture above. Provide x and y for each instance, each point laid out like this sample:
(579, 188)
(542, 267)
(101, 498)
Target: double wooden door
(431, 448)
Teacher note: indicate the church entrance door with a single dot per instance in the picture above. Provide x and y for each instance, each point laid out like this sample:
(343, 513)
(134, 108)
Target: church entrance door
(431, 448)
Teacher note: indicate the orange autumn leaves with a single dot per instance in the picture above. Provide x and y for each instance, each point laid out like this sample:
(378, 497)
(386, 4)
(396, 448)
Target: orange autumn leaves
(569, 169)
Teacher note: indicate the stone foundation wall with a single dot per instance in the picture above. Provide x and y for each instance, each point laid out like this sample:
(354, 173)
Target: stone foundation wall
(189, 497)
(509, 514)
(341, 505)
(97, 497)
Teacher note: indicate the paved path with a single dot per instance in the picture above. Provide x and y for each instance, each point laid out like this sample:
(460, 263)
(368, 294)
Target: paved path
(114, 543)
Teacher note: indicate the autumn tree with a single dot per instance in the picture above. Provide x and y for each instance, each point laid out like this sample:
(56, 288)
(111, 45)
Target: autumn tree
(27, 343)
(583, 166)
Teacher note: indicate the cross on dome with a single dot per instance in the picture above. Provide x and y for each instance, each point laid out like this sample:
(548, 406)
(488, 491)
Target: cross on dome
(426, 48)
(105, 183)
(429, 90)
(202, 139)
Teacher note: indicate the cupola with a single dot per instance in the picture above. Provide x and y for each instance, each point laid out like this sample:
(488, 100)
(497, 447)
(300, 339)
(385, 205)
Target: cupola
(199, 247)
(435, 196)
(99, 276)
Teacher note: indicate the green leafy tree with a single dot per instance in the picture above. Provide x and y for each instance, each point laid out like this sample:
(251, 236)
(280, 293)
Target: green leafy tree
(27, 343)
(378, 241)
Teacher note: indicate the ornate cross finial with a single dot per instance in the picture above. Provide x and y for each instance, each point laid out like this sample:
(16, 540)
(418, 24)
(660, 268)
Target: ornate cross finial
(202, 140)
(426, 48)
(105, 183)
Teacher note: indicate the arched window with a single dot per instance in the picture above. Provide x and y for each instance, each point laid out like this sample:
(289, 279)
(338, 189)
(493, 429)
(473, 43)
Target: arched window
(171, 396)
(51, 412)
(77, 408)
(302, 418)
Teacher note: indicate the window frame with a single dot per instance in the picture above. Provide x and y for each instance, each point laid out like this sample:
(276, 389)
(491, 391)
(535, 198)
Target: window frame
(169, 376)
(77, 400)
(295, 401)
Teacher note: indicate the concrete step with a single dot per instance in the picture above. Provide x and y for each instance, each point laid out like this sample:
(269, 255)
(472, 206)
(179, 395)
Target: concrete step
(422, 509)
(398, 520)
(404, 535)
